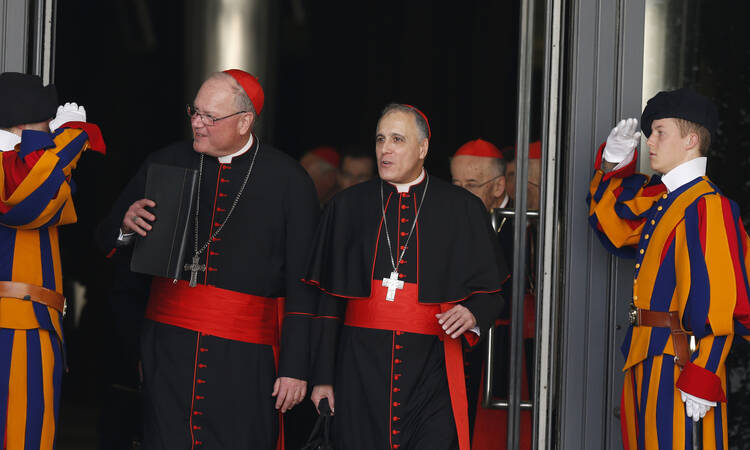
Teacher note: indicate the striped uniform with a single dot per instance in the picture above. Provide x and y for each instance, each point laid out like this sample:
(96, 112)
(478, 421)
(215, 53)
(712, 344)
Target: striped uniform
(35, 198)
(691, 253)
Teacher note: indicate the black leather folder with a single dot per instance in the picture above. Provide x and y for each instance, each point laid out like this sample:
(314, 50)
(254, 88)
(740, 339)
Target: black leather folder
(163, 251)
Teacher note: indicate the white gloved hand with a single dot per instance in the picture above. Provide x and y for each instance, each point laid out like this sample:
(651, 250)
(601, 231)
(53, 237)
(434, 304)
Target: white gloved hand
(70, 112)
(696, 407)
(622, 140)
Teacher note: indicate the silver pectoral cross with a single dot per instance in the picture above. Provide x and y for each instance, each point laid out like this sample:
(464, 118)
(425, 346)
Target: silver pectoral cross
(194, 268)
(392, 284)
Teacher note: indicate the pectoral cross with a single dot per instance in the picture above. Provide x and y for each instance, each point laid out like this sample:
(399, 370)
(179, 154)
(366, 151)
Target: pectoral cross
(392, 284)
(194, 268)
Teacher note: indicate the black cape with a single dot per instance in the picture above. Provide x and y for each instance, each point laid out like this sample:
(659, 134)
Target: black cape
(458, 252)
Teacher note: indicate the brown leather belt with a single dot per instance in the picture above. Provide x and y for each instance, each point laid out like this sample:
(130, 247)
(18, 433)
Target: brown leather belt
(31, 292)
(647, 318)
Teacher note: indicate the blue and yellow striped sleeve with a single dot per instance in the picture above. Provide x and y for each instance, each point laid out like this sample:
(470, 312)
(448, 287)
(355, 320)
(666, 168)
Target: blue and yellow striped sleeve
(619, 202)
(35, 179)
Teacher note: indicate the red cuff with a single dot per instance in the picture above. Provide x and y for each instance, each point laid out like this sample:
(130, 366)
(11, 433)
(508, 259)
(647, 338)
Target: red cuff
(700, 382)
(622, 172)
(471, 338)
(96, 141)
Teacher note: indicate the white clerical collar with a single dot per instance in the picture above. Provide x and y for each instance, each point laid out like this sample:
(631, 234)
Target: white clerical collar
(8, 140)
(227, 159)
(684, 173)
(505, 201)
(406, 186)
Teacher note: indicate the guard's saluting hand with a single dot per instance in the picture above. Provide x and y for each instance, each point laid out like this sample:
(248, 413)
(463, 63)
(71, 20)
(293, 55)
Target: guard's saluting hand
(623, 138)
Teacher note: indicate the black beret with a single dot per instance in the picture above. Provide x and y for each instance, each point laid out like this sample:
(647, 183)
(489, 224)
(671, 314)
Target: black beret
(683, 103)
(24, 99)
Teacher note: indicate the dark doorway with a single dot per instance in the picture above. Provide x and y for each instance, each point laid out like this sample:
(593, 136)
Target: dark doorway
(337, 65)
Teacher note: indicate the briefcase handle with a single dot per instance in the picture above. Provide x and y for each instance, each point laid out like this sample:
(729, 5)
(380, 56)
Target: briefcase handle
(320, 436)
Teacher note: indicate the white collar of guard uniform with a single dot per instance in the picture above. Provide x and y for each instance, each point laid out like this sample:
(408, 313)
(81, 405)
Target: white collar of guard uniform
(8, 140)
(405, 187)
(227, 159)
(685, 173)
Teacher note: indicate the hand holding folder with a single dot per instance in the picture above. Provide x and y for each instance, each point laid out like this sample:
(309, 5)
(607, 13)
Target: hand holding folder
(162, 251)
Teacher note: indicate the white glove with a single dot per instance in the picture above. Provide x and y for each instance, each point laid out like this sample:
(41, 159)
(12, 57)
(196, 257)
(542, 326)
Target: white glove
(622, 140)
(696, 407)
(70, 112)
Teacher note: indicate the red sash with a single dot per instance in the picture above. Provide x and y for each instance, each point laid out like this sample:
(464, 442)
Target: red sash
(218, 312)
(407, 314)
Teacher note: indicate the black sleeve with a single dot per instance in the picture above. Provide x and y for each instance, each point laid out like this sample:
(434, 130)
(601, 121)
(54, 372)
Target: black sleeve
(302, 211)
(325, 337)
(486, 308)
(108, 229)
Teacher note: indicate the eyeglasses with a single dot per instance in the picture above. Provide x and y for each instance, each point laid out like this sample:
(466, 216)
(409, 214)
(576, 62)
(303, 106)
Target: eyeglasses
(472, 186)
(207, 120)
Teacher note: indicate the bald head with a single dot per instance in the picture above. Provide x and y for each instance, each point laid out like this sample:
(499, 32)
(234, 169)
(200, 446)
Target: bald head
(532, 184)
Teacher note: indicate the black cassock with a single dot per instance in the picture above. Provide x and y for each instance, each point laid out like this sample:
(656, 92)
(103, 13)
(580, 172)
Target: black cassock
(206, 390)
(391, 388)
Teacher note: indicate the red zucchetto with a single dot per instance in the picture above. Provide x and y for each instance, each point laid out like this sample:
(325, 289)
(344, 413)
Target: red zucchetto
(250, 85)
(479, 147)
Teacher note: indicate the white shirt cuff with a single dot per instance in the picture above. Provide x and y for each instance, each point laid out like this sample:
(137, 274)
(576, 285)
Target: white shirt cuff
(125, 238)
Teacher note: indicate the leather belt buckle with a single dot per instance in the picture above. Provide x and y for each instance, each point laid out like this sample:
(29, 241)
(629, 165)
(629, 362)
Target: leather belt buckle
(633, 315)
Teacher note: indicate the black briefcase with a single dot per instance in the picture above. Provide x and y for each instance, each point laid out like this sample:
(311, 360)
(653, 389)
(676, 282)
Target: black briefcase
(320, 437)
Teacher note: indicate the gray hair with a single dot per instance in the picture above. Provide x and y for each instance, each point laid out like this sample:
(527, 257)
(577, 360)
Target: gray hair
(422, 126)
(499, 165)
(241, 100)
